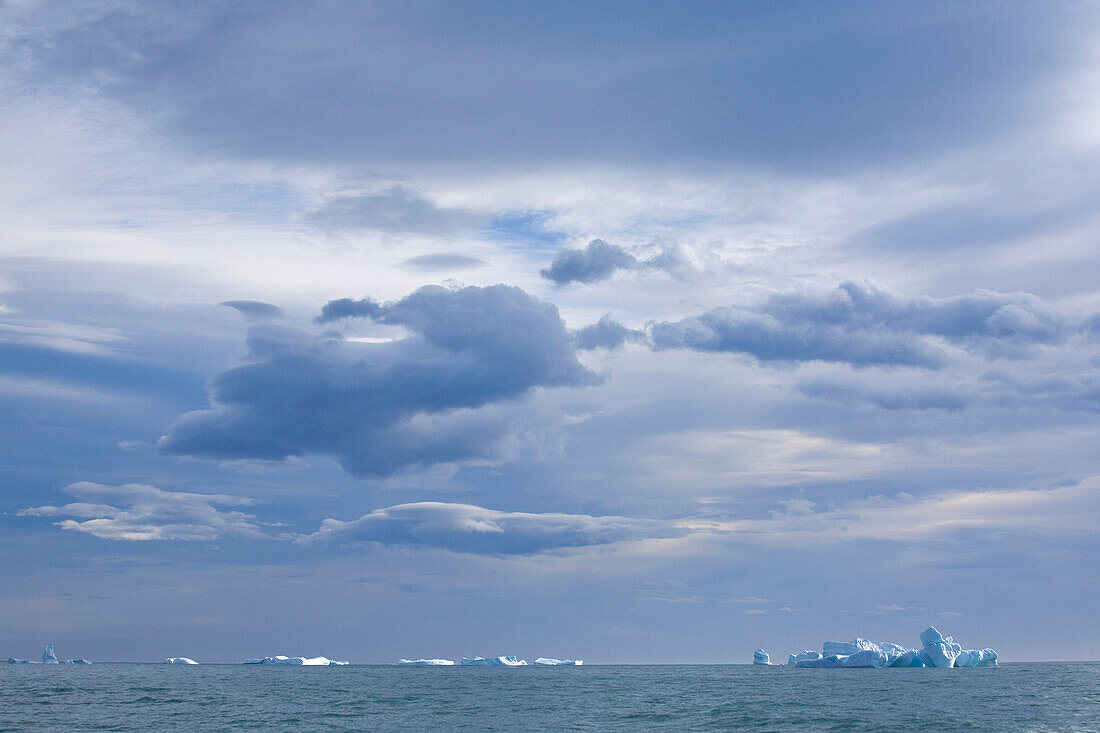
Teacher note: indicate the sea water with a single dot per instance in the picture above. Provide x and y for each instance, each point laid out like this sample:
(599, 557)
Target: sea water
(158, 697)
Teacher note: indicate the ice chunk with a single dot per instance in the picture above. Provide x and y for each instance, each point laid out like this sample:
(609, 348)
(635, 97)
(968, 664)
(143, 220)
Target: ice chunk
(939, 654)
(911, 658)
(803, 656)
(181, 660)
(761, 657)
(493, 662)
(48, 657)
(866, 658)
(296, 661)
(426, 662)
(830, 662)
(931, 636)
(551, 662)
(13, 660)
(81, 660)
(841, 648)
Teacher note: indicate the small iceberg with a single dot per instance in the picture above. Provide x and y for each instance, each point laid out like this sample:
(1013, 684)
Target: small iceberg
(493, 662)
(551, 662)
(935, 651)
(179, 660)
(296, 661)
(426, 662)
(82, 660)
(761, 657)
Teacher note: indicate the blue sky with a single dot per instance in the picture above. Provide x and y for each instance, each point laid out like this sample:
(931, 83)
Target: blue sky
(633, 332)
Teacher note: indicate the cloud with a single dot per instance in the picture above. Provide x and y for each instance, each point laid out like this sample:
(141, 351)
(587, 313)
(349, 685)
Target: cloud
(864, 324)
(348, 308)
(887, 398)
(394, 210)
(441, 395)
(443, 261)
(598, 261)
(255, 310)
(605, 334)
(472, 529)
(142, 512)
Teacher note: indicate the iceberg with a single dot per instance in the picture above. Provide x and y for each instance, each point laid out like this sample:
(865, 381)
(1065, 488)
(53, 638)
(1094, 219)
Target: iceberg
(846, 648)
(82, 660)
(296, 661)
(493, 662)
(426, 662)
(48, 657)
(936, 650)
(179, 660)
(551, 662)
(761, 657)
(803, 656)
(14, 660)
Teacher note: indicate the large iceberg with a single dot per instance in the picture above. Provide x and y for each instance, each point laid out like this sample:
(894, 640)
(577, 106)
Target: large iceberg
(296, 661)
(551, 662)
(48, 657)
(935, 651)
(761, 657)
(179, 660)
(426, 662)
(493, 662)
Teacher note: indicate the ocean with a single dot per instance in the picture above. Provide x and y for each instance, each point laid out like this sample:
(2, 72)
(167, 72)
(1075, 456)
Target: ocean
(158, 697)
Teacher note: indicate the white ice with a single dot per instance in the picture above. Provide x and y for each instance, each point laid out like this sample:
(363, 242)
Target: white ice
(935, 651)
(761, 657)
(426, 662)
(493, 662)
(48, 657)
(179, 660)
(296, 661)
(551, 662)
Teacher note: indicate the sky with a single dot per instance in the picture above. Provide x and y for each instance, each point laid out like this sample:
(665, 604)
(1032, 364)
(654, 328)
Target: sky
(638, 332)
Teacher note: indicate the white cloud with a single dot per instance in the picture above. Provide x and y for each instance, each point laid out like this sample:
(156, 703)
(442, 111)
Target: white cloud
(142, 512)
(473, 529)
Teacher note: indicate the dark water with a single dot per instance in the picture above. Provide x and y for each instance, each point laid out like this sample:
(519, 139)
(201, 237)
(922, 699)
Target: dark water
(148, 697)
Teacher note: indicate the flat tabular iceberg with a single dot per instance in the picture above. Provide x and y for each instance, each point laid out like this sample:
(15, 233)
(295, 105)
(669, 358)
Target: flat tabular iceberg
(179, 660)
(493, 662)
(296, 661)
(426, 662)
(761, 657)
(936, 651)
(551, 662)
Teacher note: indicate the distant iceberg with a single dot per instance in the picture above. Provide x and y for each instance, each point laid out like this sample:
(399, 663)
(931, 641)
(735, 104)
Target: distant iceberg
(179, 660)
(48, 657)
(761, 657)
(426, 662)
(296, 661)
(551, 662)
(493, 662)
(936, 651)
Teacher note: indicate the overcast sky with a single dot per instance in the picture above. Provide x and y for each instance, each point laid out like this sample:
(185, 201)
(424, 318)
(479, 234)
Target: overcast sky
(632, 332)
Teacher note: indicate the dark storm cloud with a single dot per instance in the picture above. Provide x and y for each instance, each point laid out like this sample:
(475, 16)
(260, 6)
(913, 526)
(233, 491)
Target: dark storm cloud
(799, 87)
(439, 395)
(473, 529)
(597, 261)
